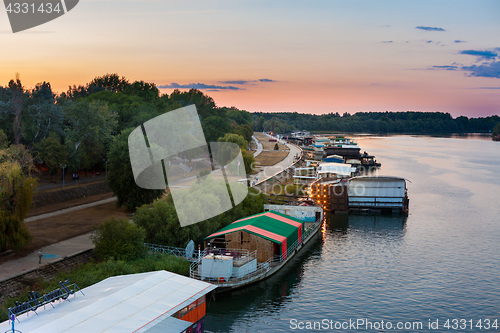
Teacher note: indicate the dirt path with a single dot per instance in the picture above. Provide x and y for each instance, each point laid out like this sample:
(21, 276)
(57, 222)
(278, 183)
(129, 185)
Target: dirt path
(68, 210)
(64, 222)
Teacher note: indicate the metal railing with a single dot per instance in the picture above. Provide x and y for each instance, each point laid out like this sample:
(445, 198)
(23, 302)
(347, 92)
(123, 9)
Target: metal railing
(262, 268)
(36, 300)
(176, 251)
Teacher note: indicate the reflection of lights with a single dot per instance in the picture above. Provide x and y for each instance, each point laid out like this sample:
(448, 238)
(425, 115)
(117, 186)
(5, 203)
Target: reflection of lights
(323, 230)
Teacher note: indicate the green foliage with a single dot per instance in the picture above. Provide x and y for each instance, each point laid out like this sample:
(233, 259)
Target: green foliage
(4, 141)
(119, 239)
(205, 105)
(248, 158)
(17, 188)
(39, 120)
(89, 129)
(495, 133)
(235, 138)
(121, 178)
(276, 147)
(94, 272)
(373, 122)
(162, 224)
(276, 125)
(18, 97)
(215, 127)
(245, 130)
(53, 153)
(111, 82)
(249, 161)
(13, 233)
(147, 91)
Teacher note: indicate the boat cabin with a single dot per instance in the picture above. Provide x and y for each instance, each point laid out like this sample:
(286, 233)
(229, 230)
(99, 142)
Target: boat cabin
(386, 194)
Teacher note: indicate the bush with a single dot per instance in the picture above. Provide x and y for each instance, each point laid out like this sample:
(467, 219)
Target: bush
(162, 224)
(119, 239)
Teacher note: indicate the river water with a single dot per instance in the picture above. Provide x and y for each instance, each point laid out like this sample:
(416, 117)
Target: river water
(437, 270)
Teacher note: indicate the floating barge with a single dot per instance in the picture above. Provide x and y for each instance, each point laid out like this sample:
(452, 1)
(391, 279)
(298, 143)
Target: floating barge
(365, 194)
(254, 248)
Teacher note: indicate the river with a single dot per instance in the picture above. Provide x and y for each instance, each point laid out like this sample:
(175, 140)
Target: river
(436, 270)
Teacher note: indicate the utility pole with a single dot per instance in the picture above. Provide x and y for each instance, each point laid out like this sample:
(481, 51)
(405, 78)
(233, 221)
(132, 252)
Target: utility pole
(63, 167)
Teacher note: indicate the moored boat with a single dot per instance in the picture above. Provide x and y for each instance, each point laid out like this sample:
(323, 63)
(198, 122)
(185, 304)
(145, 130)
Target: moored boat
(253, 248)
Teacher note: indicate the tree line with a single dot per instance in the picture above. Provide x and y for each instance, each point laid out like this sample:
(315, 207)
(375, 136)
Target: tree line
(409, 122)
(86, 128)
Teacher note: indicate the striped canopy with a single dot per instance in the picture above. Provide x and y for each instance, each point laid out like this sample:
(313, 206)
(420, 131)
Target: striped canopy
(276, 227)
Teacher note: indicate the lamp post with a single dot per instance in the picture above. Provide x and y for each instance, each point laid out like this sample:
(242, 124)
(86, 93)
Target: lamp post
(106, 167)
(63, 167)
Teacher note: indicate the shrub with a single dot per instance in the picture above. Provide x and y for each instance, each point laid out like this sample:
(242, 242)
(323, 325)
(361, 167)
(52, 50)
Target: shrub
(119, 239)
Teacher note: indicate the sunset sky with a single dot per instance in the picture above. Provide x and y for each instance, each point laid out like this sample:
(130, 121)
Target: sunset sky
(305, 56)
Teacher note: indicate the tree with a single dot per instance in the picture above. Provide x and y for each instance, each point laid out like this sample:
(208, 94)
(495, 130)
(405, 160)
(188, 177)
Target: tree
(248, 158)
(39, 120)
(89, 129)
(235, 138)
(111, 82)
(205, 105)
(41, 115)
(495, 134)
(17, 91)
(53, 153)
(17, 188)
(245, 130)
(119, 239)
(121, 178)
(162, 224)
(127, 107)
(147, 91)
(4, 141)
(214, 127)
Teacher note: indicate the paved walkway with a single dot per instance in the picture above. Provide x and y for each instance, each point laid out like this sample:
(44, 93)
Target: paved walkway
(51, 253)
(272, 170)
(259, 147)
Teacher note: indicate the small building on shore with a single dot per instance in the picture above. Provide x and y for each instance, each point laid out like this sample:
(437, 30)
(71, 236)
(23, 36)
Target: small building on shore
(150, 302)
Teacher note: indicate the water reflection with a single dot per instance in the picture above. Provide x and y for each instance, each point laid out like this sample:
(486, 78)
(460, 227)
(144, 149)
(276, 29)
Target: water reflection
(367, 223)
(265, 297)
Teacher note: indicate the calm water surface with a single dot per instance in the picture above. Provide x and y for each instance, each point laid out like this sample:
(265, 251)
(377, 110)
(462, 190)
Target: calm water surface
(441, 262)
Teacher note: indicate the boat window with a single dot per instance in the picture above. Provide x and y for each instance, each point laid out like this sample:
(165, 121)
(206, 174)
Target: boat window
(183, 312)
(192, 306)
(201, 300)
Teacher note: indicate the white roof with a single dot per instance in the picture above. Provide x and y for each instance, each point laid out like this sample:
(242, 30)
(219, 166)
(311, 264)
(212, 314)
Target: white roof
(378, 178)
(336, 168)
(125, 303)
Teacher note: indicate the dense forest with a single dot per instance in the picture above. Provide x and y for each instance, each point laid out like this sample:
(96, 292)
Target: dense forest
(373, 122)
(86, 129)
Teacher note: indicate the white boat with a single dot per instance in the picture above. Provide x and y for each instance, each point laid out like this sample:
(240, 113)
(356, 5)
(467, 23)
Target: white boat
(335, 170)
